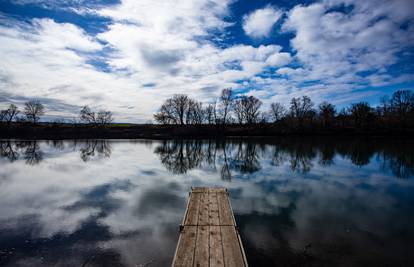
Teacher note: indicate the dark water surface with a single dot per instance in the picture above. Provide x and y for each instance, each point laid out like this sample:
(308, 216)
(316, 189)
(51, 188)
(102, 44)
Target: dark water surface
(298, 201)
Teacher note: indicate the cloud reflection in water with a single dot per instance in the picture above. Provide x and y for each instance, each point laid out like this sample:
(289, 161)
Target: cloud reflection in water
(119, 203)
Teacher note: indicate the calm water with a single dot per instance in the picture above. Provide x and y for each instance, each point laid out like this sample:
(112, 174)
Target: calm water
(298, 202)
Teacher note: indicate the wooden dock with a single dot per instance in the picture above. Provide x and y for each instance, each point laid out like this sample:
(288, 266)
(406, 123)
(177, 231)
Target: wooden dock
(208, 233)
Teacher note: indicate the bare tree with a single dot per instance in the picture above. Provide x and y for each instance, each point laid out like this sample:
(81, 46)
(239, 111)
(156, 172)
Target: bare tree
(226, 99)
(402, 103)
(301, 107)
(102, 118)
(238, 109)
(166, 114)
(195, 112)
(246, 109)
(33, 110)
(209, 114)
(173, 111)
(87, 115)
(180, 106)
(10, 113)
(277, 111)
(361, 113)
(180, 109)
(252, 106)
(327, 113)
(198, 112)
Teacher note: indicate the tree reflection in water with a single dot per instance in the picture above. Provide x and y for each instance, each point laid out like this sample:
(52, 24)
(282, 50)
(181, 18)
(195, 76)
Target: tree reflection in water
(8, 150)
(398, 159)
(245, 156)
(32, 153)
(180, 156)
(30, 150)
(246, 159)
(95, 148)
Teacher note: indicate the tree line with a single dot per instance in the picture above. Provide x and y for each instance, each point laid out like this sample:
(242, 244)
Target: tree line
(396, 110)
(231, 109)
(33, 110)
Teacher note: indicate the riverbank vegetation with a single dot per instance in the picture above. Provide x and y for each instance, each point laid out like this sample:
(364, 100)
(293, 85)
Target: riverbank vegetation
(229, 115)
(395, 111)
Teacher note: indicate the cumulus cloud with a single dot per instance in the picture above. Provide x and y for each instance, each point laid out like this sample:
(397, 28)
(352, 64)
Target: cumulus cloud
(149, 50)
(259, 23)
(48, 60)
(163, 44)
(334, 43)
(279, 59)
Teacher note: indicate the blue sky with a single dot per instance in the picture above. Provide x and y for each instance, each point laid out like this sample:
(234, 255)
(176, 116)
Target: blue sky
(128, 56)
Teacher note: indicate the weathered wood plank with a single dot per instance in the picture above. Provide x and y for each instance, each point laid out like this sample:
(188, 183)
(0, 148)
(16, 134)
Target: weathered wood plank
(216, 247)
(201, 256)
(199, 189)
(226, 218)
(192, 210)
(217, 190)
(208, 189)
(214, 209)
(231, 248)
(203, 210)
(184, 255)
(209, 236)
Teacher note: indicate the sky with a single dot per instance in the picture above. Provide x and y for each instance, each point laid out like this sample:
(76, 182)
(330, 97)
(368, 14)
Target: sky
(128, 56)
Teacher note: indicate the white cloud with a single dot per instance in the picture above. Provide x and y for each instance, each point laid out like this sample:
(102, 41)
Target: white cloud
(279, 59)
(332, 47)
(49, 60)
(151, 50)
(333, 44)
(52, 35)
(289, 71)
(159, 44)
(259, 23)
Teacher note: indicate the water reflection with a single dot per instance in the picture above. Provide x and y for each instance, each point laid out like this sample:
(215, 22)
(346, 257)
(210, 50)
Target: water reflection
(31, 152)
(8, 150)
(95, 148)
(298, 202)
(180, 156)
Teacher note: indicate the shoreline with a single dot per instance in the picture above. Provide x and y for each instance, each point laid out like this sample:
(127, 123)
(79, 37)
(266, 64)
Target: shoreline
(70, 131)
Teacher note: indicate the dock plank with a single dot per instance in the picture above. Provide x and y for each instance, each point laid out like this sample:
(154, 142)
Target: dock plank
(216, 247)
(233, 255)
(193, 210)
(214, 217)
(184, 255)
(226, 217)
(208, 235)
(203, 211)
(201, 258)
